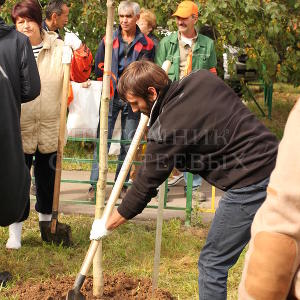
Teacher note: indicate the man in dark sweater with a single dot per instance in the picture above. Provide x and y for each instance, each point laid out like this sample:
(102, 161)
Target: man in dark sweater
(199, 125)
(19, 82)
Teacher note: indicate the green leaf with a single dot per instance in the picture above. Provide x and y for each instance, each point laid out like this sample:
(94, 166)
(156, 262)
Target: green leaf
(232, 38)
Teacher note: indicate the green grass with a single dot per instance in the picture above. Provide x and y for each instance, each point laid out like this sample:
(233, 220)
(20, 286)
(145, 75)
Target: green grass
(78, 150)
(280, 112)
(284, 98)
(129, 249)
(82, 150)
(286, 88)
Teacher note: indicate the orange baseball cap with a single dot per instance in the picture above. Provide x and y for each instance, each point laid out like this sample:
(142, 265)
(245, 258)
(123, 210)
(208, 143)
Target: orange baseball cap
(185, 9)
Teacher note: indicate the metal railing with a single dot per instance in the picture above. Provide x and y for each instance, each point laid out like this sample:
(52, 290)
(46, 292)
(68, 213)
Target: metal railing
(189, 192)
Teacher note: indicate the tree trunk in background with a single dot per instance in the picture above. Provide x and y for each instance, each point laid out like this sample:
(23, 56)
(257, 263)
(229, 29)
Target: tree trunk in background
(98, 282)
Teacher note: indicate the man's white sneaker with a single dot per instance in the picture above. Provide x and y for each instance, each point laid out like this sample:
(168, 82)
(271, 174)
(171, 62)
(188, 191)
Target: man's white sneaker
(175, 180)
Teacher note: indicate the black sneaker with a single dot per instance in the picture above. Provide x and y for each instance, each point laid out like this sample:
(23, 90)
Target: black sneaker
(4, 278)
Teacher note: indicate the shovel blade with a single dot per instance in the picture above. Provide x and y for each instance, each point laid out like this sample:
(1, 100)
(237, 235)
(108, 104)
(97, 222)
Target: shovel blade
(4, 278)
(74, 295)
(63, 234)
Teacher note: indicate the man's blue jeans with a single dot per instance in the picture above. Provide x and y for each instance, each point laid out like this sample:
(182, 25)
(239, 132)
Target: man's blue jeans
(129, 123)
(228, 235)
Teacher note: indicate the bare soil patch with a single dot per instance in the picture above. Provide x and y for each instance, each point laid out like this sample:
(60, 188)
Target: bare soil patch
(118, 287)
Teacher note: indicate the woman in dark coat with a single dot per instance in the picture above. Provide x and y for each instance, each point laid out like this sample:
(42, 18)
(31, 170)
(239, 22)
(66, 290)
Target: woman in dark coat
(19, 83)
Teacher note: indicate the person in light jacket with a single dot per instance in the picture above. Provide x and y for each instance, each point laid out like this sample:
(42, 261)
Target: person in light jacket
(272, 263)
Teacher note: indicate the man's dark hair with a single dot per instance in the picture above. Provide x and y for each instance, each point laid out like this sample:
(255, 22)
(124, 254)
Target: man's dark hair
(54, 6)
(2, 2)
(139, 76)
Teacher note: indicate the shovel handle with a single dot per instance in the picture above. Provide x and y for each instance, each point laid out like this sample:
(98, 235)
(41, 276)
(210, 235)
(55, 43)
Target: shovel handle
(114, 196)
(115, 193)
(112, 200)
(60, 146)
(88, 260)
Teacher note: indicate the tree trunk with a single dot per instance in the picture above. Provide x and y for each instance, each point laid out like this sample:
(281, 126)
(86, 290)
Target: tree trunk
(98, 282)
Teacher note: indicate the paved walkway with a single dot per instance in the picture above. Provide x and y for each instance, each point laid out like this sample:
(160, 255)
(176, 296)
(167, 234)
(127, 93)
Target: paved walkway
(74, 198)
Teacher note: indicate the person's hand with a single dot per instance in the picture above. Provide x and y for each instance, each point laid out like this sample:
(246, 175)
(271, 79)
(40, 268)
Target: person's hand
(99, 229)
(72, 40)
(86, 84)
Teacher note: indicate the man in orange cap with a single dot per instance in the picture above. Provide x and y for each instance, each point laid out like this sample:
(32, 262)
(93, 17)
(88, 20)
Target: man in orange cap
(188, 51)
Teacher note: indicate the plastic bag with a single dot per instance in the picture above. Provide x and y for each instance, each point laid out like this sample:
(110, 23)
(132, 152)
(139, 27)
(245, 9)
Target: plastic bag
(83, 115)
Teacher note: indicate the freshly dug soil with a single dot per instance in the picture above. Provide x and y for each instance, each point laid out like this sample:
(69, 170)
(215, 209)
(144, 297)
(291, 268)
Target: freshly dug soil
(119, 287)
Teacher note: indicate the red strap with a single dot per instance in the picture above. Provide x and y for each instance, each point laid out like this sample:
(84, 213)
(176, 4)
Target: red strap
(111, 74)
(70, 94)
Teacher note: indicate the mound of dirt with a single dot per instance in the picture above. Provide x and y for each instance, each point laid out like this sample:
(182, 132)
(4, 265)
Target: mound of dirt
(119, 287)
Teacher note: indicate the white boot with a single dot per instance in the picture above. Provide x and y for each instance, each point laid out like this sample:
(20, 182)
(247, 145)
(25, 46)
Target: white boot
(15, 231)
(45, 217)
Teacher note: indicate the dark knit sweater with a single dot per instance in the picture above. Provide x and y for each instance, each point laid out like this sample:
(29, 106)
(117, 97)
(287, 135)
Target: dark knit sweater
(199, 125)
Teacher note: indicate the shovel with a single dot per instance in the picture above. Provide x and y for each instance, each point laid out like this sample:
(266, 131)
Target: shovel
(54, 231)
(74, 293)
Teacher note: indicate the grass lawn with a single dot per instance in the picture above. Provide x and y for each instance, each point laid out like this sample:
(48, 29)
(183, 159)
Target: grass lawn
(284, 98)
(129, 249)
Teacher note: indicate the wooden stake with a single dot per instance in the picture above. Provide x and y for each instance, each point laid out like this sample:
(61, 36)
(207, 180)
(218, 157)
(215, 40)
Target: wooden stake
(98, 282)
(159, 225)
(159, 222)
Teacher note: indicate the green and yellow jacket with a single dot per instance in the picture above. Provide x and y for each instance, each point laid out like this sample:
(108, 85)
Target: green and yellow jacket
(204, 54)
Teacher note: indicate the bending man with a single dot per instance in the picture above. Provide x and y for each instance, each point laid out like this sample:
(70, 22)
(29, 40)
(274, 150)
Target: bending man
(199, 125)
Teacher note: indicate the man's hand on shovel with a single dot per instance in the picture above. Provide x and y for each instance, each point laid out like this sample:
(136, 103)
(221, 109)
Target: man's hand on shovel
(102, 228)
(99, 229)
